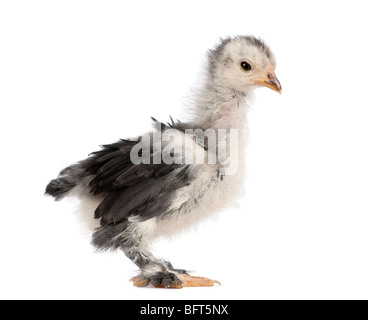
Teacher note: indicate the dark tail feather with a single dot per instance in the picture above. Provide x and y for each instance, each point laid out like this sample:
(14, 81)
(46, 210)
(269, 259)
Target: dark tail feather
(57, 188)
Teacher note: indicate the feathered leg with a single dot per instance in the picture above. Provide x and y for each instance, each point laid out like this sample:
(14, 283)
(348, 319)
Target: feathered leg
(125, 236)
(154, 272)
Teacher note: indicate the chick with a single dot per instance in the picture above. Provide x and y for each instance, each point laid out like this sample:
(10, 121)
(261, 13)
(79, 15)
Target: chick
(181, 173)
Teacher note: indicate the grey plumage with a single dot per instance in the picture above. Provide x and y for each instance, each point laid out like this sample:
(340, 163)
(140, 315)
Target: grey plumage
(137, 202)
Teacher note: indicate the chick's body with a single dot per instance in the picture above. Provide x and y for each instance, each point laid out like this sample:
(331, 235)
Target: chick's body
(138, 201)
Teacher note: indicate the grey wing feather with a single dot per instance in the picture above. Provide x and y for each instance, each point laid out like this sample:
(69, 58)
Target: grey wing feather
(142, 191)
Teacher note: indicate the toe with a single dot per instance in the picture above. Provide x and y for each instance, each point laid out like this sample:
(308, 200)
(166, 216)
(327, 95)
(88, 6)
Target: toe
(139, 281)
(190, 281)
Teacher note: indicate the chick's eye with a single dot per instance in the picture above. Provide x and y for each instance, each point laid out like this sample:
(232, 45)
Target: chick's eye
(246, 66)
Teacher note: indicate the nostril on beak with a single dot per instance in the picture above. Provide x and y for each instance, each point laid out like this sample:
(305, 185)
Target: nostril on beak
(271, 76)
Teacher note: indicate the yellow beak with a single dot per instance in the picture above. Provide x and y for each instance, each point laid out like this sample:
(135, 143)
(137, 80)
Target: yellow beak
(269, 80)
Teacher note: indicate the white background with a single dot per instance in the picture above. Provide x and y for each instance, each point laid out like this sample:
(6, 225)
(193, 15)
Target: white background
(77, 74)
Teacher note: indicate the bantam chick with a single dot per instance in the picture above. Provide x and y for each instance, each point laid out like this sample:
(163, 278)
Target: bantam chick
(179, 174)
